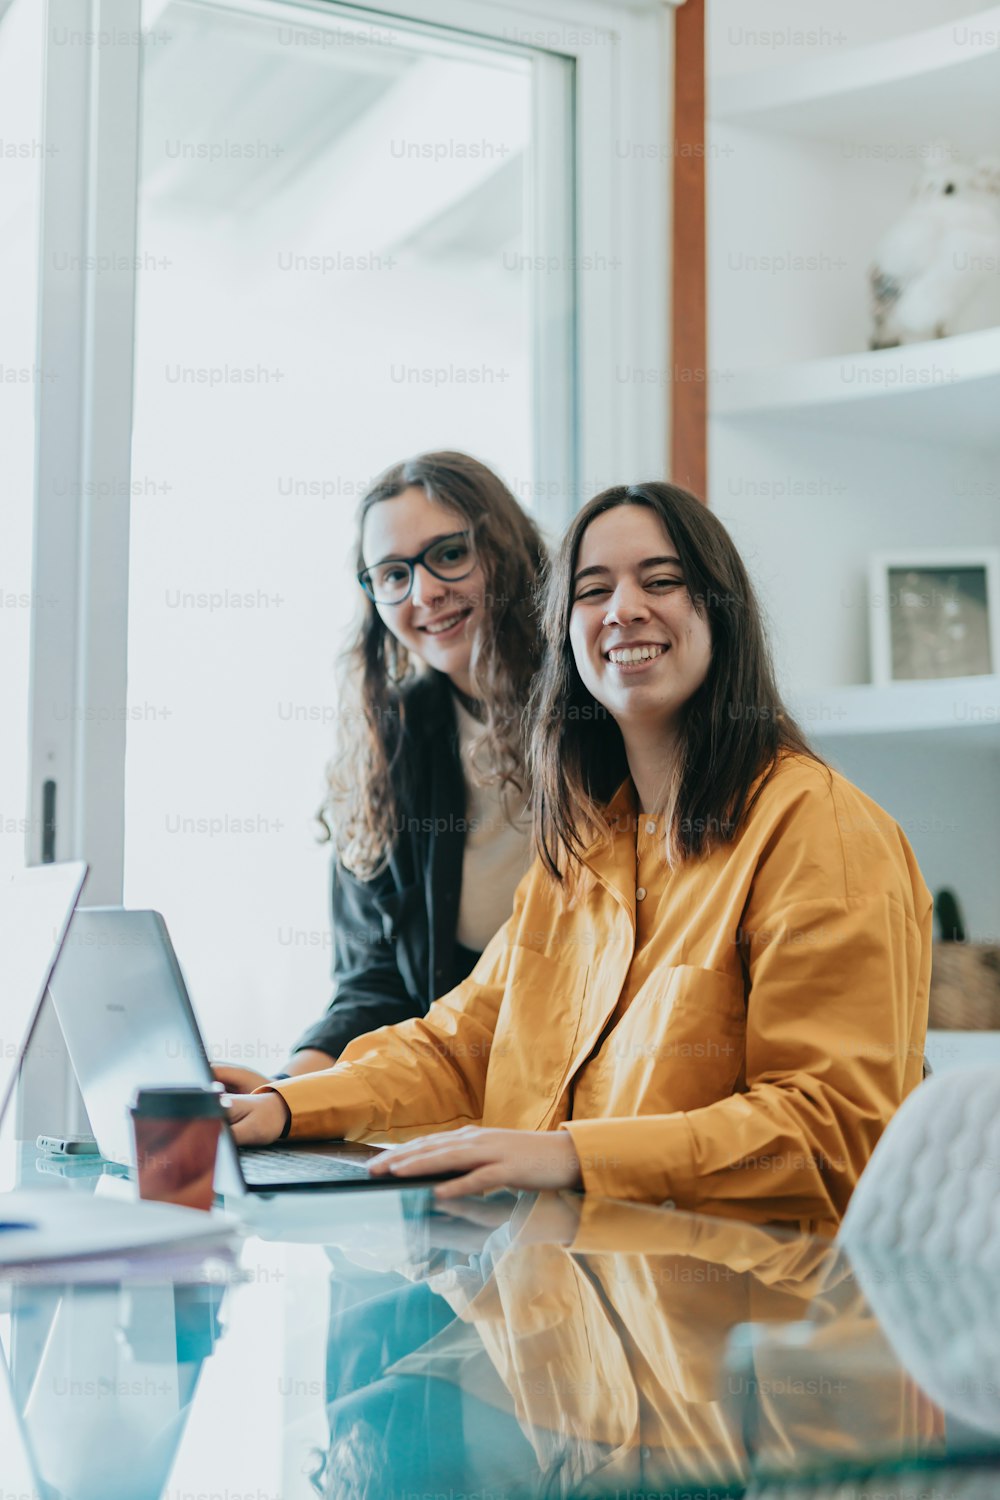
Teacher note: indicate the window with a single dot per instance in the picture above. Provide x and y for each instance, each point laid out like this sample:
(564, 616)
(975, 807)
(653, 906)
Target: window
(323, 276)
(21, 154)
(339, 263)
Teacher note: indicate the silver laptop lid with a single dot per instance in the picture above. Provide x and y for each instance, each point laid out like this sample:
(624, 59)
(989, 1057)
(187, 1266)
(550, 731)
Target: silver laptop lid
(35, 908)
(120, 997)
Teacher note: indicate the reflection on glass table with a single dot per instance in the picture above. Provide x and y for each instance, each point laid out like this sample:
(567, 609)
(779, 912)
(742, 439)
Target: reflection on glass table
(545, 1345)
(103, 1378)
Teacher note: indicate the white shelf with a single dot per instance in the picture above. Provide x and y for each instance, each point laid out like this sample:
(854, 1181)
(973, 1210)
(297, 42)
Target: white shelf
(942, 83)
(960, 711)
(947, 391)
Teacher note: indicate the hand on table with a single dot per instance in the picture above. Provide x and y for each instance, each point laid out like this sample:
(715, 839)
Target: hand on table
(546, 1218)
(486, 1159)
(487, 1213)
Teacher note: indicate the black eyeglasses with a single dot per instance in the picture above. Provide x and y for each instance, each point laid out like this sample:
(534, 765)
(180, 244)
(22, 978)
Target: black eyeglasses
(449, 559)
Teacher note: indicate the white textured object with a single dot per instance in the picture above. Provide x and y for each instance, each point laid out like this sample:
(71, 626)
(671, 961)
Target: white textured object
(944, 248)
(922, 1232)
(942, 1319)
(932, 1187)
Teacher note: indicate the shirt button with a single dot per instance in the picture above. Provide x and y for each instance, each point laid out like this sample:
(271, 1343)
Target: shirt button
(650, 827)
(640, 894)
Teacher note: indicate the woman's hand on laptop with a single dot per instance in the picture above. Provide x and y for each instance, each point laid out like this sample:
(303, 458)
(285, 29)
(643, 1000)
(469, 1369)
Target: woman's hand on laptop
(487, 1159)
(257, 1119)
(237, 1080)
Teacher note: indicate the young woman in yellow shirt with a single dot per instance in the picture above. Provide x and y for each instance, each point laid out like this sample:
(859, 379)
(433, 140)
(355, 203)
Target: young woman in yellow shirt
(712, 991)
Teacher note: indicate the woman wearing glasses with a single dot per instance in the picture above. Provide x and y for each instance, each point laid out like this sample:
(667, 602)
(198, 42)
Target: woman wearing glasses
(713, 988)
(427, 801)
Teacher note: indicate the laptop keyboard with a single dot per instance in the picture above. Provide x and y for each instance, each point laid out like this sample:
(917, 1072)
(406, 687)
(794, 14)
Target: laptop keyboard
(293, 1166)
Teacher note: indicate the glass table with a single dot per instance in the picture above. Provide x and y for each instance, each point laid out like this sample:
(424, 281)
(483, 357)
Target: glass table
(378, 1345)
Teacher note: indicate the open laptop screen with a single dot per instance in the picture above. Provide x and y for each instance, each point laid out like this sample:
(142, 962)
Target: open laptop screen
(35, 908)
(123, 1007)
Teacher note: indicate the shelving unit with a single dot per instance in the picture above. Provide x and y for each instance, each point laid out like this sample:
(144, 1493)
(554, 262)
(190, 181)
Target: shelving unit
(822, 452)
(962, 712)
(941, 392)
(947, 77)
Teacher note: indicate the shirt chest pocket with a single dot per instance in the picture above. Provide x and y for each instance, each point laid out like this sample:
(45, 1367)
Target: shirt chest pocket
(681, 1044)
(534, 1039)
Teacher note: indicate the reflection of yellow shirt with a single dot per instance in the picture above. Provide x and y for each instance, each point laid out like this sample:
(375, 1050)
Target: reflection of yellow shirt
(616, 1354)
(757, 1023)
(498, 848)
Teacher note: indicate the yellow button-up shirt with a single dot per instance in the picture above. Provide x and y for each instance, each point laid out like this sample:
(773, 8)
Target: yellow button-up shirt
(734, 1040)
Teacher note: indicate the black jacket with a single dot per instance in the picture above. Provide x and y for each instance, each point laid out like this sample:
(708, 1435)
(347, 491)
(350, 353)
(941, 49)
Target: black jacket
(394, 949)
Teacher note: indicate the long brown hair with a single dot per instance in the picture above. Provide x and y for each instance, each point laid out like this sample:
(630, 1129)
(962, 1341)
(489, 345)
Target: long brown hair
(376, 669)
(730, 731)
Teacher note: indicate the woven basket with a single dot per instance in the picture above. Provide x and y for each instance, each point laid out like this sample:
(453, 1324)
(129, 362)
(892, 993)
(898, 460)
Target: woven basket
(965, 987)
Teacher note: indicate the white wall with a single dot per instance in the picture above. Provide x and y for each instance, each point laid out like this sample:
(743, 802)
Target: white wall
(243, 265)
(808, 507)
(949, 809)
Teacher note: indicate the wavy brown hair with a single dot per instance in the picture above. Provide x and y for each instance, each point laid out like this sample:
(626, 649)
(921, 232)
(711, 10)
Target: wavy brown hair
(369, 769)
(731, 730)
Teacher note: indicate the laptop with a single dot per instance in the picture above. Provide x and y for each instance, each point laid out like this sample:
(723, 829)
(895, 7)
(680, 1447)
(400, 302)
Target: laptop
(35, 909)
(127, 1018)
(38, 1227)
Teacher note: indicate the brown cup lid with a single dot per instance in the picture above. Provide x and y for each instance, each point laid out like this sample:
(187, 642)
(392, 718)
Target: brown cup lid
(179, 1102)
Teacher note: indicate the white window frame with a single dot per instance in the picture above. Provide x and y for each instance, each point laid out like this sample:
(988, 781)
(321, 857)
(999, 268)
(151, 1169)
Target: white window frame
(622, 93)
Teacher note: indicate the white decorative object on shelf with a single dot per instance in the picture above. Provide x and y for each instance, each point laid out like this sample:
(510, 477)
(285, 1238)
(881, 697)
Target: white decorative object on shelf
(943, 249)
(934, 614)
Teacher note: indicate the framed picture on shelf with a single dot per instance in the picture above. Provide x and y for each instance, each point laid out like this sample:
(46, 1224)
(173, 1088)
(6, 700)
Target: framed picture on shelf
(934, 614)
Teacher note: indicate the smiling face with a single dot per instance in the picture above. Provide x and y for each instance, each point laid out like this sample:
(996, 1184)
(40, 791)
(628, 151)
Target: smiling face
(438, 621)
(640, 646)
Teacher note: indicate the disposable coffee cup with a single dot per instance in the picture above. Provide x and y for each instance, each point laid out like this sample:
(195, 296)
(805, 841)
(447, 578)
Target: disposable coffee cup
(176, 1132)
